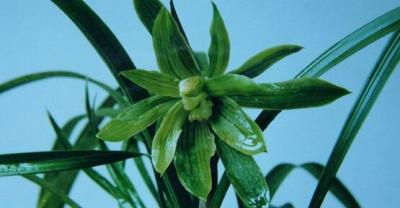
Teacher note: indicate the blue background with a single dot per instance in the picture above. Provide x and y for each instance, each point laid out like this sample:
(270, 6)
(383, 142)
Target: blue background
(37, 36)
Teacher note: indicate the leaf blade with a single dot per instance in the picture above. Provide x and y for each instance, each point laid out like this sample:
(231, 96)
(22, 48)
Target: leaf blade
(135, 119)
(234, 127)
(192, 160)
(173, 53)
(166, 137)
(292, 94)
(154, 81)
(40, 162)
(249, 183)
(370, 92)
(219, 50)
(260, 62)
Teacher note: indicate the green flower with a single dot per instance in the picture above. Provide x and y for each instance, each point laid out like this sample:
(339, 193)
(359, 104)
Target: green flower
(198, 107)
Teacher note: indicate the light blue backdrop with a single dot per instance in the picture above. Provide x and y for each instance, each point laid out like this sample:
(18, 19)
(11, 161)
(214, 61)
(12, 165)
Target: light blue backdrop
(37, 36)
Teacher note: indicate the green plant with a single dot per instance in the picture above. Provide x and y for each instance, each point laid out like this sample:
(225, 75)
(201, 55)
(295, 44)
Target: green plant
(192, 98)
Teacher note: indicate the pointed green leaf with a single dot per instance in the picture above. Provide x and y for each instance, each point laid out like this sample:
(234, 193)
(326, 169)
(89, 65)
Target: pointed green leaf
(41, 162)
(257, 64)
(236, 128)
(135, 118)
(296, 93)
(245, 176)
(154, 81)
(219, 50)
(173, 53)
(147, 11)
(166, 138)
(232, 84)
(383, 69)
(192, 161)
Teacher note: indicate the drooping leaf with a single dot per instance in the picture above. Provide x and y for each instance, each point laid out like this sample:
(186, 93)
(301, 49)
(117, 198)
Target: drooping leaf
(235, 128)
(365, 35)
(29, 78)
(154, 81)
(51, 188)
(192, 161)
(260, 62)
(232, 84)
(104, 41)
(173, 53)
(277, 175)
(147, 11)
(135, 118)
(296, 93)
(41, 162)
(337, 188)
(245, 176)
(376, 81)
(219, 50)
(166, 138)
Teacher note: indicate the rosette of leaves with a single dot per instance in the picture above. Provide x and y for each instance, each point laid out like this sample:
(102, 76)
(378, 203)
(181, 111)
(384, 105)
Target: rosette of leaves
(197, 107)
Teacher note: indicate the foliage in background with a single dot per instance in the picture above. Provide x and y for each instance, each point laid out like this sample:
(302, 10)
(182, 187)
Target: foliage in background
(193, 83)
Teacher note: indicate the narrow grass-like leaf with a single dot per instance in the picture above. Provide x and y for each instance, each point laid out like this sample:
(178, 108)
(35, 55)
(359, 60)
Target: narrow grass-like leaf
(232, 84)
(173, 53)
(277, 175)
(376, 81)
(41, 162)
(352, 43)
(245, 176)
(296, 93)
(147, 11)
(219, 50)
(260, 62)
(154, 82)
(220, 192)
(46, 197)
(122, 180)
(192, 160)
(51, 188)
(237, 129)
(338, 189)
(166, 138)
(133, 146)
(135, 118)
(29, 78)
(104, 41)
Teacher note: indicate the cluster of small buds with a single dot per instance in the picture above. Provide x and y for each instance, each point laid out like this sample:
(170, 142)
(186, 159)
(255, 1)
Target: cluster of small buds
(195, 99)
